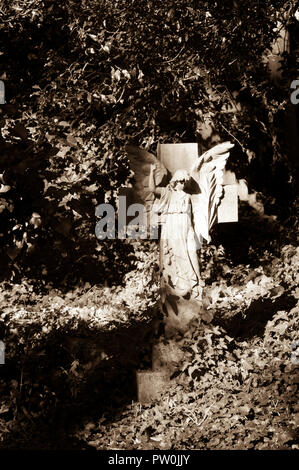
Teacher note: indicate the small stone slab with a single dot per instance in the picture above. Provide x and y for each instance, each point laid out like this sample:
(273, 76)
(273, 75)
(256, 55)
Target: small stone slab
(151, 384)
(228, 208)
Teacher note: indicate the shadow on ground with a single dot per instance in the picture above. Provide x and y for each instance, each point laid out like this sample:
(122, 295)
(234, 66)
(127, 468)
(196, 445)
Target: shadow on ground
(252, 322)
(83, 393)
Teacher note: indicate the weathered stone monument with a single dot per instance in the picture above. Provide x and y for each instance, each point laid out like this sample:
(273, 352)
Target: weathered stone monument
(185, 194)
(2, 92)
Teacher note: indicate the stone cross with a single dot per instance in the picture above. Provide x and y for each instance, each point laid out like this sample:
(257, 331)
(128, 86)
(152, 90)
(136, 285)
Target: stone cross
(178, 309)
(182, 156)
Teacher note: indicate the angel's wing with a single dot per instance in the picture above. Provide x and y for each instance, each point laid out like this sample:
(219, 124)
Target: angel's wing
(207, 171)
(140, 161)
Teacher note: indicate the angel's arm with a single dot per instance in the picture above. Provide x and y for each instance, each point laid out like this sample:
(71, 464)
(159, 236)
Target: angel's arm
(151, 184)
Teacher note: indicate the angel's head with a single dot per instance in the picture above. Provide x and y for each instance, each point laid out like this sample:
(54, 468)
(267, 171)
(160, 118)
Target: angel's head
(179, 179)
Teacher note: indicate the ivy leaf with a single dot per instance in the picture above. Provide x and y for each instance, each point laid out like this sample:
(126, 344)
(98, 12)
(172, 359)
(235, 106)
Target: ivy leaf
(71, 140)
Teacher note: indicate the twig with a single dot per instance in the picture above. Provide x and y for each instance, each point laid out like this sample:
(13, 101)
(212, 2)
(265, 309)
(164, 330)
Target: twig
(122, 94)
(205, 415)
(232, 136)
(175, 57)
(192, 414)
(110, 171)
(190, 78)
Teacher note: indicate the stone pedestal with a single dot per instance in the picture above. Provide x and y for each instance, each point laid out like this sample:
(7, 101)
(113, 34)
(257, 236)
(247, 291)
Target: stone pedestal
(182, 300)
(166, 355)
(180, 313)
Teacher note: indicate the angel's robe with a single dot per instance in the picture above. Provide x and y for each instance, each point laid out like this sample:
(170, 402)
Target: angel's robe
(180, 273)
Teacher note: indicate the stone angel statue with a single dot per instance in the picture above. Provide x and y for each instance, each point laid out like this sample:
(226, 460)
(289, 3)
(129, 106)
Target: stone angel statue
(188, 209)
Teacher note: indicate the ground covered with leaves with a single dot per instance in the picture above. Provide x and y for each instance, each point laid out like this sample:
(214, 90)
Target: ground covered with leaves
(238, 383)
(71, 357)
(79, 315)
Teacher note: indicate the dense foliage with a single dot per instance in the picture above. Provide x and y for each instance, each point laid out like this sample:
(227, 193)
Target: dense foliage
(78, 316)
(83, 78)
(238, 372)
